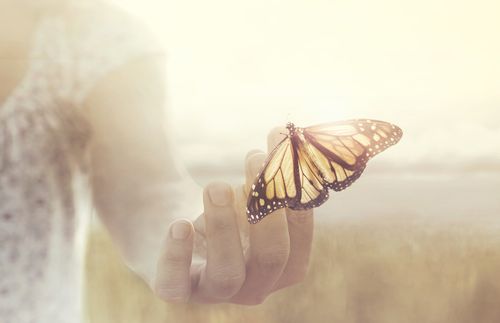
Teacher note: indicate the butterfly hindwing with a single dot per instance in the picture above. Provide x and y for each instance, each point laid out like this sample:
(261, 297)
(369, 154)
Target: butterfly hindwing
(311, 188)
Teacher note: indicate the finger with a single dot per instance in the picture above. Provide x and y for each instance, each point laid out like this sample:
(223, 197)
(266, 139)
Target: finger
(199, 225)
(300, 229)
(173, 282)
(225, 268)
(199, 248)
(254, 161)
(268, 255)
(275, 136)
(242, 218)
(269, 247)
(253, 165)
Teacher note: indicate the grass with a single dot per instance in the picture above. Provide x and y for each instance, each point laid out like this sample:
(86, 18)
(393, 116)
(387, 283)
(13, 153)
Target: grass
(363, 270)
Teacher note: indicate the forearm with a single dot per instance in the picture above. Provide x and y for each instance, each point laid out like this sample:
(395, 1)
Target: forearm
(137, 185)
(137, 217)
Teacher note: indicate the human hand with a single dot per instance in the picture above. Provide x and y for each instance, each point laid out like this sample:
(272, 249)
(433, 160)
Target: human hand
(223, 258)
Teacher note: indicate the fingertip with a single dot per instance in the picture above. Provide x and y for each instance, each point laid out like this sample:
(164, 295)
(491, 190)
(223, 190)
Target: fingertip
(171, 295)
(253, 167)
(277, 131)
(275, 136)
(172, 282)
(254, 163)
(253, 152)
(181, 229)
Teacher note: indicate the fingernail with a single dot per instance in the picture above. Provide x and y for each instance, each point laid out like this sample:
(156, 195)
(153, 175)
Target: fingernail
(220, 194)
(253, 152)
(181, 230)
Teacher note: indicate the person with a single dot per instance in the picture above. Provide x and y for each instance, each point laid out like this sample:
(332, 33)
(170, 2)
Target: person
(81, 126)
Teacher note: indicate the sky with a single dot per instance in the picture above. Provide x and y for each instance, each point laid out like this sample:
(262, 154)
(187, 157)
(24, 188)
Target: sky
(236, 69)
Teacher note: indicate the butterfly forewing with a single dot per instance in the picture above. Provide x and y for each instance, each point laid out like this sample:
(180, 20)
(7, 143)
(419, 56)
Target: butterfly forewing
(275, 185)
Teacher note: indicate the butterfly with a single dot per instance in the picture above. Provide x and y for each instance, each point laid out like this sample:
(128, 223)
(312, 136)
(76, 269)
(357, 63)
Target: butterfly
(309, 161)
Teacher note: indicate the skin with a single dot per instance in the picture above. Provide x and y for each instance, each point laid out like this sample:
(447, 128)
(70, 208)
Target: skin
(148, 203)
(277, 255)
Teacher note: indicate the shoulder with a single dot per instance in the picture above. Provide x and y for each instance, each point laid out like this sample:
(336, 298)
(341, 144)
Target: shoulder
(83, 15)
(105, 41)
(96, 25)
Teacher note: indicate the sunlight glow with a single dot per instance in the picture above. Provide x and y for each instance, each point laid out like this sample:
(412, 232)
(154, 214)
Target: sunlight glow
(238, 69)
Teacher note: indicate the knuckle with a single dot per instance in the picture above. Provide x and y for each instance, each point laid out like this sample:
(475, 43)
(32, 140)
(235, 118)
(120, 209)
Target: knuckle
(218, 224)
(293, 276)
(221, 224)
(226, 282)
(273, 259)
(299, 217)
(172, 294)
(175, 259)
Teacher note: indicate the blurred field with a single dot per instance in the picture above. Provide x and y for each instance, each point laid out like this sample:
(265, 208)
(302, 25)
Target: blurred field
(388, 268)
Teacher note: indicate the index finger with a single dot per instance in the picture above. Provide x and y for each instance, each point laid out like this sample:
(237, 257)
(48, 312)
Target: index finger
(225, 268)
(300, 230)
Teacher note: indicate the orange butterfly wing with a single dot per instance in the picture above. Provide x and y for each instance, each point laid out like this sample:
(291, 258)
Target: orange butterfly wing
(289, 178)
(275, 185)
(299, 171)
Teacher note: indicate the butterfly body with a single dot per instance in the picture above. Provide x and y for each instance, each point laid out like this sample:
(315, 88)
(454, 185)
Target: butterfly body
(308, 161)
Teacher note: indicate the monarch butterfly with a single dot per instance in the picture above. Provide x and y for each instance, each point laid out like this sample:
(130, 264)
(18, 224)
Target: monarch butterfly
(308, 161)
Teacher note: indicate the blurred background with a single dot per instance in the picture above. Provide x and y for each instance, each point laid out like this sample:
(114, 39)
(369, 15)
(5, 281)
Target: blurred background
(416, 238)
(237, 68)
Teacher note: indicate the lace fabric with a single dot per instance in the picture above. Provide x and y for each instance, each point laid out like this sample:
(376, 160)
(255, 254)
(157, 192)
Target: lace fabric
(44, 193)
